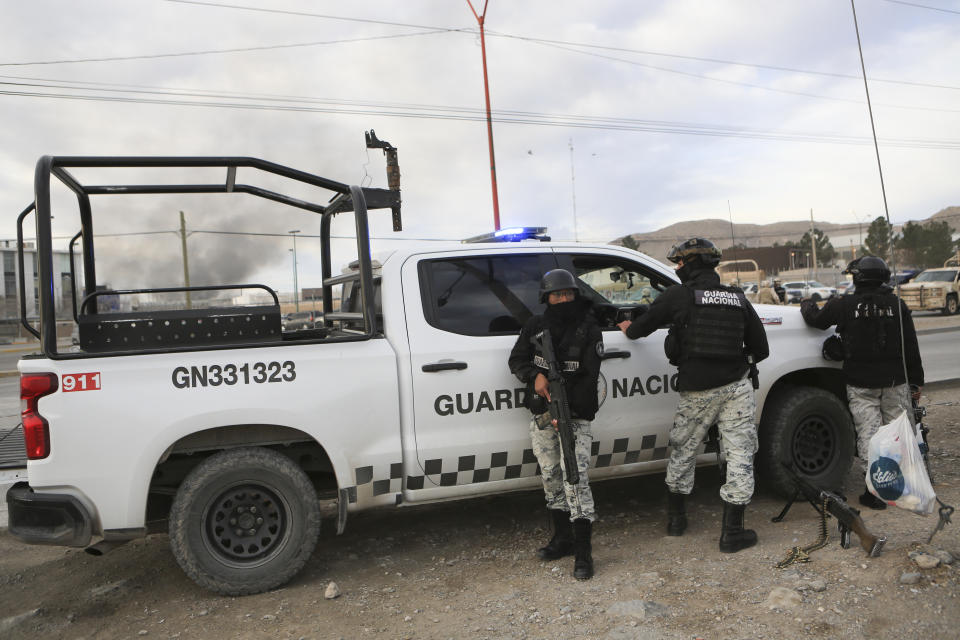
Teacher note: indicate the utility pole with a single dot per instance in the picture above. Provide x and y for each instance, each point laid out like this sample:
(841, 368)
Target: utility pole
(486, 93)
(186, 263)
(296, 286)
(733, 244)
(573, 193)
(813, 244)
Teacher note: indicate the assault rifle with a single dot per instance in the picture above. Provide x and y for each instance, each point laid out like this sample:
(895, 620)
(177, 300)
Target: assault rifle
(848, 518)
(560, 407)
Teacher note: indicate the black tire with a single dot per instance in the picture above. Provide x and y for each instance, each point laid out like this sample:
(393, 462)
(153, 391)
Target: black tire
(951, 307)
(228, 496)
(810, 429)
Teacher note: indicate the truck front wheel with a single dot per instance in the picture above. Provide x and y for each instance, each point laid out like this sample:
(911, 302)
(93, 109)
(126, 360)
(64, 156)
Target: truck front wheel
(244, 521)
(810, 429)
(950, 308)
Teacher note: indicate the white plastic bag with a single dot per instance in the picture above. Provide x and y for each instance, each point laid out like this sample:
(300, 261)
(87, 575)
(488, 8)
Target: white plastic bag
(895, 471)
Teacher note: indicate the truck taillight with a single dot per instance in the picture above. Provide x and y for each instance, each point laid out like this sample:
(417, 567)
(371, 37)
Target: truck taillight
(36, 431)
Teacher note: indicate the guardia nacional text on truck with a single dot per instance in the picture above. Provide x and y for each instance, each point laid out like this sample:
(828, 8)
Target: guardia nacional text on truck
(190, 411)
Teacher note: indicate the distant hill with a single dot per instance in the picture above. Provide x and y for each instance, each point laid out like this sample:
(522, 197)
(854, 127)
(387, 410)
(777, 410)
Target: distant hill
(950, 215)
(658, 243)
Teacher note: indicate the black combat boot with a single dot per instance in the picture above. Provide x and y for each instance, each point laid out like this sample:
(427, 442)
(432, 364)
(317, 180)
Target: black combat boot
(676, 514)
(871, 501)
(734, 537)
(561, 544)
(583, 561)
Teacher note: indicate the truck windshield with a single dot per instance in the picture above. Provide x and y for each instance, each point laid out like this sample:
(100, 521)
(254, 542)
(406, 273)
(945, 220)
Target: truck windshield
(936, 276)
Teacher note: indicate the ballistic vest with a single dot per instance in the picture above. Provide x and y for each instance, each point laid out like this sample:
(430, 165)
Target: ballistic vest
(870, 328)
(715, 325)
(567, 351)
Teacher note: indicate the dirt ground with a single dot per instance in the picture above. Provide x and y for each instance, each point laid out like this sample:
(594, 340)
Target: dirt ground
(468, 570)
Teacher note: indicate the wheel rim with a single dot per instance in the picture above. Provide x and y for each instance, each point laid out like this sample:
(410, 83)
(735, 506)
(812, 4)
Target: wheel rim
(814, 445)
(246, 524)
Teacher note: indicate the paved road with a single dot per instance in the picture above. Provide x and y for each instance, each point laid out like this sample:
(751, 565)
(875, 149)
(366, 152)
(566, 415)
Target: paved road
(941, 355)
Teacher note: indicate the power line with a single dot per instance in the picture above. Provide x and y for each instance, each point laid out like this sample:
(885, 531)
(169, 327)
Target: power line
(215, 93)
(248, 233)
(580, 44)
(655, 236)
(306, 14)
(726, 81)
(222, 51)
(753, 65)
(431, 30)
(523, 118)
(923, 6)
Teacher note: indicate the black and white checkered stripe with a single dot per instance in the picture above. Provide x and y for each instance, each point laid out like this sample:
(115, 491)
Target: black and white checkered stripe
(389, 481)
(500, 465)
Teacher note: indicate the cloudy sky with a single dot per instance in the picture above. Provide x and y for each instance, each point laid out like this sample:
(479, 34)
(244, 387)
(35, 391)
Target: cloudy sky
(623, 116)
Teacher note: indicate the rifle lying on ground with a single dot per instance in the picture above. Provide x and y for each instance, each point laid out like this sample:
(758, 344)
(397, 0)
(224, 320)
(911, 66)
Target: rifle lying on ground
(824, 501)
(560, 407)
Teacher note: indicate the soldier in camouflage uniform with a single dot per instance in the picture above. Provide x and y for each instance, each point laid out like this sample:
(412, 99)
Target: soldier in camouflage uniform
(578, 345)
(713, 330)
(873, 360)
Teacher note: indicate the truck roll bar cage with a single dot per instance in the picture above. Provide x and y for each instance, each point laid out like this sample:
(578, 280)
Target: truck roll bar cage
(345, 198)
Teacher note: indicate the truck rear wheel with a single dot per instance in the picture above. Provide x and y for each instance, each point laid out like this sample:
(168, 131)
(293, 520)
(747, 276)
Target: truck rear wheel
(810, 429)
(244, 521)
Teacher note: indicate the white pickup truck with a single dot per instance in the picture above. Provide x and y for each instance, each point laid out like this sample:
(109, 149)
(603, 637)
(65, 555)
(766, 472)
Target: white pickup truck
(214, 425)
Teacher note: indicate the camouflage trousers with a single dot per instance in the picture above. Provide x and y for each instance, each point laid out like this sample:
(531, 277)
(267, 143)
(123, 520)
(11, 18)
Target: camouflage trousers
(577, 499)
(872, 408)
(732, 408)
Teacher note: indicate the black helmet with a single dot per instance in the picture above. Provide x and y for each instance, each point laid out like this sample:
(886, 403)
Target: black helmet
(701, 248)
(556, 280)
(852, 266)
(869, 270)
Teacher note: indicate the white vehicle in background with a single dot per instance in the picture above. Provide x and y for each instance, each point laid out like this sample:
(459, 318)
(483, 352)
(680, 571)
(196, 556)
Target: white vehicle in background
(802, 289)
(218, 428)
(933, 290)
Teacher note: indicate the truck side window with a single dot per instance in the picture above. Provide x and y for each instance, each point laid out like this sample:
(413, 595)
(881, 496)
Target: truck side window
(607, 279)
(611, 280)
(481, 296)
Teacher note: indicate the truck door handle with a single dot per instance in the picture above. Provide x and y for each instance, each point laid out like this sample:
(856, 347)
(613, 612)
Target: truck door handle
(443, 366)
(607, 355)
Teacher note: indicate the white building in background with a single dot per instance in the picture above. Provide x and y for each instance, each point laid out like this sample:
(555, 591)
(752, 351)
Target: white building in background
(10, 307)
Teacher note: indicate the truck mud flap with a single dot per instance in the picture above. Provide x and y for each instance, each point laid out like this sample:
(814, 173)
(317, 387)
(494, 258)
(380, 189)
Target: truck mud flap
(343, 497)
